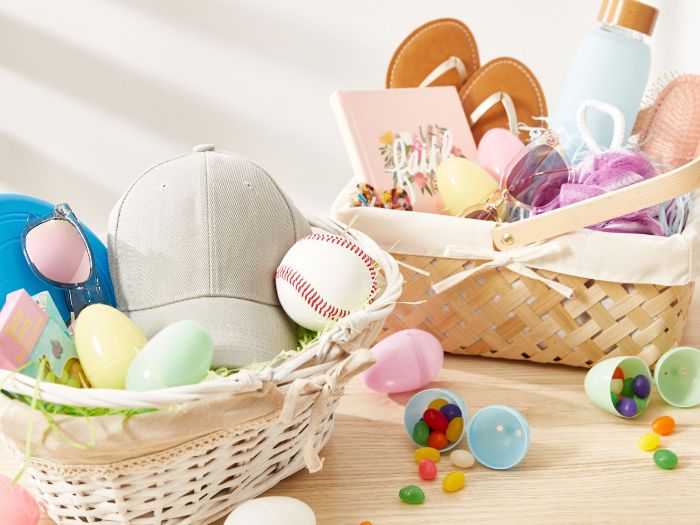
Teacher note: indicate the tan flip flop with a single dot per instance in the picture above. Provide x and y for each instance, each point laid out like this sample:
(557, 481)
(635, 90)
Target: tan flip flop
(440, 53)
(503, 94)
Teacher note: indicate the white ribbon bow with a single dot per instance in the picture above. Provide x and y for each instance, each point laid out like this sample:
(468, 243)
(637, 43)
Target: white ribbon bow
(512, 259)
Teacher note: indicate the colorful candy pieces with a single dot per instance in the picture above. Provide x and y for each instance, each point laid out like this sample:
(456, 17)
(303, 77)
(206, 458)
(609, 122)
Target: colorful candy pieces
(663, 425)
(412, 494)
(453, 481)
(649, 441)
(427, 470)
(629, 394)
(665, 459)
(442, 424)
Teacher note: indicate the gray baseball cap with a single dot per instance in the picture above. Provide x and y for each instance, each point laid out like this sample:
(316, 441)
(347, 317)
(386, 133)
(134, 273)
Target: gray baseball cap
(200, 237)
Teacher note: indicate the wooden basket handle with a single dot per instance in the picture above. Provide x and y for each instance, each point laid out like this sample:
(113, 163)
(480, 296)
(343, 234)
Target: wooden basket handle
(626, 200)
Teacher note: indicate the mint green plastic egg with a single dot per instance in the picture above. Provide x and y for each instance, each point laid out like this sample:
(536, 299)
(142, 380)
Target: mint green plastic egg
(178, 355)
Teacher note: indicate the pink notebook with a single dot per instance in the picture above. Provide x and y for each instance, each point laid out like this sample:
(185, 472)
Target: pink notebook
(397, 138)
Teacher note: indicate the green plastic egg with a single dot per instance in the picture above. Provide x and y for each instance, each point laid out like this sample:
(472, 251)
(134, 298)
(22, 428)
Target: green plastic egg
(180, 354)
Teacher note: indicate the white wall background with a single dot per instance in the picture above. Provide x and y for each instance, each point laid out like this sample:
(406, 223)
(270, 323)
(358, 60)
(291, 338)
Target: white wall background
(92, 92)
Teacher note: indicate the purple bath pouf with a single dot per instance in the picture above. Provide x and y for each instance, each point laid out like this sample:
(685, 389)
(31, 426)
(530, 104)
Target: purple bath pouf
(603, 173)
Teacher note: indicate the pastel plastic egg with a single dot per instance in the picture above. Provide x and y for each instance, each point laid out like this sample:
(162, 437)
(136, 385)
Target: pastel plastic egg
(426, 453)
(649, 441)
(406, 360)
(455, 429)
(663, 425)
(415, 410)
(421, 433)
(463, 183)
(497, 148)
(272, 509)
(17, 506)
(665, 459)
(641, 386)
(178, 355)
(453, 481)
(435, 420)
(450, 411)
(627, 407)
(616, 386)
(437, 440)
(498, 436)
(107, 342)
(618, 373)
(627, 390)
(411, 494)
(461, 458)
(677, 376)
(427, 469)
(438, 403)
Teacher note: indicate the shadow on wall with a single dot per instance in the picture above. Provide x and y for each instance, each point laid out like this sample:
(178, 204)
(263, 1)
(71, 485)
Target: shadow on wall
(39, 175)
(258, 28)
(157, 106)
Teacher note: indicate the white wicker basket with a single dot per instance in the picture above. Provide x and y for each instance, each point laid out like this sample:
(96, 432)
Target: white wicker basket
(200, 481)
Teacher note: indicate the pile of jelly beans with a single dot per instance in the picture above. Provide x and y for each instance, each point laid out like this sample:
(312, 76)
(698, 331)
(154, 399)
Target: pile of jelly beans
(427, 458)
(628, 393)
(661, 426)
(441, 424)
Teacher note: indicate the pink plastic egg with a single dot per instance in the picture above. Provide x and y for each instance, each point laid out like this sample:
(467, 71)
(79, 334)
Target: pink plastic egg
(406, 360)
(17, 507)
(497, 148)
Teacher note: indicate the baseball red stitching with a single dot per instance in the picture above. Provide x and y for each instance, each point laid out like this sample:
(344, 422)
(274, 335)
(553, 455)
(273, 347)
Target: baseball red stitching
(309, 293)
(354, 248)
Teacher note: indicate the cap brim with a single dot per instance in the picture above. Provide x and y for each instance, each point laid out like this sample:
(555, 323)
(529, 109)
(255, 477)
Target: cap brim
(243, 331)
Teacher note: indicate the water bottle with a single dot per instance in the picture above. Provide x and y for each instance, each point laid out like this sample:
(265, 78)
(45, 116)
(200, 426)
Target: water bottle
(611, 64)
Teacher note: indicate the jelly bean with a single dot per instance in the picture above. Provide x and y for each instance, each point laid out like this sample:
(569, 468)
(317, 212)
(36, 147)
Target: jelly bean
(366, 523)
(438, 403)
(451, 411)
(437, 440)
(664, 458)
(616, 386)
(427, 453)
(627, 407)
(649, 441)
(421, 433)
(663, 425)
(613, 397)
(455, 429)
(453, 481)
(618, 373)
(461, 458)
(641, 386)
(435, 420)
(412, 494)
(427, 469)
(627, 390)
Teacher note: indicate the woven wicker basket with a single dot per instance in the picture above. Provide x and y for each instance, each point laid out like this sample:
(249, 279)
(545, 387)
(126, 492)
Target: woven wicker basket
(496, 312)
(499, 313)
(200, 481)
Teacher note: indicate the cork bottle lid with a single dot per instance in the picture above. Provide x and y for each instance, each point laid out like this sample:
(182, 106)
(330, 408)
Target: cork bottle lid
(631, 14)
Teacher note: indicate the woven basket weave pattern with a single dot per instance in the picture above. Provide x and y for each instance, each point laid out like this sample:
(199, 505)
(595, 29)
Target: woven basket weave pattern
(201, 485)
(499, 313)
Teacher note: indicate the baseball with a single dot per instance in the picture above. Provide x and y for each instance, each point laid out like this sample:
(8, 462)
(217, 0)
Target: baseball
(323, 278)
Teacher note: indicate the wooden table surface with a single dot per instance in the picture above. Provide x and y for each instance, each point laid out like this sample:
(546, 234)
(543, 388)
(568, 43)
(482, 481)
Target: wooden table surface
(583, 465)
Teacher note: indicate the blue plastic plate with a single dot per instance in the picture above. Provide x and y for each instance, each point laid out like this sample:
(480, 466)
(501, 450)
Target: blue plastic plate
(15, 273)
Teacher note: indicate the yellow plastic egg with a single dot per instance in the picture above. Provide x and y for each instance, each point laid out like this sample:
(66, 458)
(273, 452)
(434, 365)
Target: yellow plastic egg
(649, 441)
(427, 453)
(453, 481)
(107, 342)
(463, 183)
